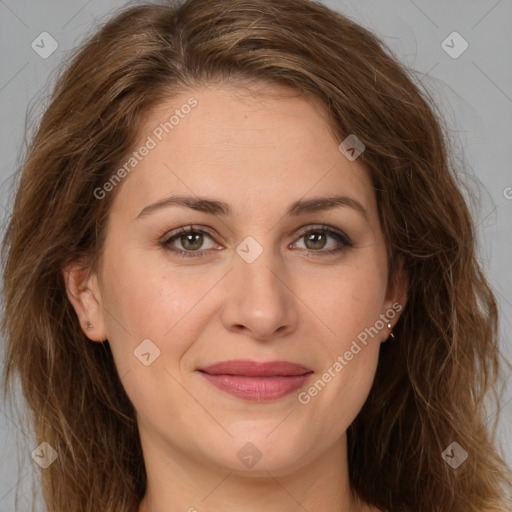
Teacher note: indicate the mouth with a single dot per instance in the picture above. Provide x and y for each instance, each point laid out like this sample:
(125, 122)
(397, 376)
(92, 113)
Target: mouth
(255, 381)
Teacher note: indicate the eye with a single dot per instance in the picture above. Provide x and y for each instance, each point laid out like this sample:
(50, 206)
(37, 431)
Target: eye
(316, 240)
(191, 240)
(188, 241)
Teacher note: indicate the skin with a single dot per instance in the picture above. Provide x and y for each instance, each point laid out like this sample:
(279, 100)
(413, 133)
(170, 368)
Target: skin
(258, 153)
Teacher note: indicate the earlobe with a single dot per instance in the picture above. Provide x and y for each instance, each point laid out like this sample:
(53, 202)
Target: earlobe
(83, 292)
(396, 296)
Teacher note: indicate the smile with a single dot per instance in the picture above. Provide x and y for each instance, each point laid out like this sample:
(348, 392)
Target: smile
(257, 382)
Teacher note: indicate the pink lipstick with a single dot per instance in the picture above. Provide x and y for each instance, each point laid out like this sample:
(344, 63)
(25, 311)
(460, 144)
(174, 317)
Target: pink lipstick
(257, 382)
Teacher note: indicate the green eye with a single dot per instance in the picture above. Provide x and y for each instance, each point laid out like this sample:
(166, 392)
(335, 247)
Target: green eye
(316, 240)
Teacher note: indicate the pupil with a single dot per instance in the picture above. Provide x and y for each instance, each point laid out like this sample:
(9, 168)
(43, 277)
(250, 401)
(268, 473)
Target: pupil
(190, 237)
(313, 236)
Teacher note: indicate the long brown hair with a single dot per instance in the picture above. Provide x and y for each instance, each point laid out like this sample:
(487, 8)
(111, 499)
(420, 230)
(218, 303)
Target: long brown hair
(431, 381)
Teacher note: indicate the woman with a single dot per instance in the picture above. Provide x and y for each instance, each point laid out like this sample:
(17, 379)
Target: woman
(241, 275)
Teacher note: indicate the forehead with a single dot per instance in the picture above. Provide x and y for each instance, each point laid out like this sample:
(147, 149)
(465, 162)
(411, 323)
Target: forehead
(258, 149)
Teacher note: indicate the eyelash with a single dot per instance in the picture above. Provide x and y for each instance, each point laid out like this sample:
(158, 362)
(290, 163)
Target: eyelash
(340, 237)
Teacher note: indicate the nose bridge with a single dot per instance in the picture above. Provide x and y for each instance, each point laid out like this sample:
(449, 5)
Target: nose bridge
(257, 298)
(258, 267)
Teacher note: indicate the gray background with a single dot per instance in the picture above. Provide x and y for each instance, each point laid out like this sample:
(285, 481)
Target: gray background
(474, 91)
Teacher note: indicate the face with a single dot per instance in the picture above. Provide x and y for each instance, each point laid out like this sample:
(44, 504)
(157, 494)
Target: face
(268, 270)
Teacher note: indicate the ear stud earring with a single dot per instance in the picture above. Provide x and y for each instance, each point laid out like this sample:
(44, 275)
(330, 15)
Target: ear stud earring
(88, 325)
(391, 335)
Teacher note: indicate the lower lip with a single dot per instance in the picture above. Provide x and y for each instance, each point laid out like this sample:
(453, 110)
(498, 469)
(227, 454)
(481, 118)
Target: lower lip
(257, 389)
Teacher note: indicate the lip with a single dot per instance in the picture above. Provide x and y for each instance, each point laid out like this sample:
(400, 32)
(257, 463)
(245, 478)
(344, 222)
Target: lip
(248, 368)
(257, 381)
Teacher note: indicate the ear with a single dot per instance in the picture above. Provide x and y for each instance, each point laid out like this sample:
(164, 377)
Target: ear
(83, 291)
(396, 295)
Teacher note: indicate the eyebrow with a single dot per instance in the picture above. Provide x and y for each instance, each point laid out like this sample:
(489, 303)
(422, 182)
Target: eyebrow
(216, 207)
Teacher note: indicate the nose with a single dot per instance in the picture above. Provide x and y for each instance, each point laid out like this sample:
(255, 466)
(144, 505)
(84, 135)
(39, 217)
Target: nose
(259, 302)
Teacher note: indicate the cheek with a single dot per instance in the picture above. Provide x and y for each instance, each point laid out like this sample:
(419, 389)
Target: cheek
(343, 397)
(350, 303)
(349, 358)
(152, 302)
(350, 306)
(144, 303)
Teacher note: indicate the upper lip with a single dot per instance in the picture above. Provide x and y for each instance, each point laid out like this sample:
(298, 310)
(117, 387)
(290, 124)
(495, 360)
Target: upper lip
(245, 367)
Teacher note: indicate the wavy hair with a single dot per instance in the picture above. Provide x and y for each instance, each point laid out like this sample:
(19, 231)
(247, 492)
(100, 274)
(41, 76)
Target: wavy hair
(432, 382)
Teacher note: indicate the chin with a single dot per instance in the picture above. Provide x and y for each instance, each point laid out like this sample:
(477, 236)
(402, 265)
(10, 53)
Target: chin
(261, 448)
